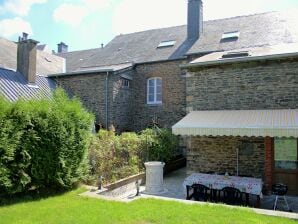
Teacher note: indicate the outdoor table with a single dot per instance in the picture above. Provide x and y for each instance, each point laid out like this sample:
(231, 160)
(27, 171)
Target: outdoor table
(213, 181)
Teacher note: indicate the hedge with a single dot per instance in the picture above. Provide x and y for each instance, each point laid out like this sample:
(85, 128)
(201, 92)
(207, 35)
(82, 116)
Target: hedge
(43, 143)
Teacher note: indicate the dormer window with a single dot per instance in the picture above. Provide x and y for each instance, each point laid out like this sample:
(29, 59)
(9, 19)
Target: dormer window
(168, 43)
(236, 54)
(230, 35)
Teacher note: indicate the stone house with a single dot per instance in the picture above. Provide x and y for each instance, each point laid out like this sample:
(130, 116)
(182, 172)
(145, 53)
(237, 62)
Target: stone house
(243, 114)
(229, 85)
(218, 70)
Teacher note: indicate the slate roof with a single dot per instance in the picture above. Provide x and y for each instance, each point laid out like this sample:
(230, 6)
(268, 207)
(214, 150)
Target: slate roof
(46, 63)
(255, 30)
(254, 53)
(13, 86)
(75, 59)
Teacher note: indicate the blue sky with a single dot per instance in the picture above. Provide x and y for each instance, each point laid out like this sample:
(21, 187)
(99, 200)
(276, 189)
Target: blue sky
(84, 24)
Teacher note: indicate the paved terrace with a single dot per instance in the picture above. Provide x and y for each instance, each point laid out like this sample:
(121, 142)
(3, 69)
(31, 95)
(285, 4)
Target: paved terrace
(173, 184)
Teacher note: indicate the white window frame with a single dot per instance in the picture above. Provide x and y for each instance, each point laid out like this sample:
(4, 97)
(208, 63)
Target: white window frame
(155, 101)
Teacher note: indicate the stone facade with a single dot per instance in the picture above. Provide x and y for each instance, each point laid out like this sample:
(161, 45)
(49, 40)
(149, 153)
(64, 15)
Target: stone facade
(239, 86)
(253, 85)
(91, 89)
(128, 109)
(219, 154)
(173, 104)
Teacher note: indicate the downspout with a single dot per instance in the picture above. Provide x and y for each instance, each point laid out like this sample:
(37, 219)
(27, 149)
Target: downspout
(107, 103)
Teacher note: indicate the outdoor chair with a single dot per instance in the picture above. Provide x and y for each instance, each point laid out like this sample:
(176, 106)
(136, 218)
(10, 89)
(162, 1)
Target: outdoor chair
(244, 193)
(280, 191)
(232, 196)
(201, 192)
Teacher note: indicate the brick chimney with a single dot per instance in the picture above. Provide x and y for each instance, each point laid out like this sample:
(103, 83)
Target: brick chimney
(26, 58)
(194, 19)
(62, 48)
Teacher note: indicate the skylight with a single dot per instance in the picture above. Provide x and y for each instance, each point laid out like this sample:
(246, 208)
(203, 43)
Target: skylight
(168, 43)
(236, 54)
(230, 35)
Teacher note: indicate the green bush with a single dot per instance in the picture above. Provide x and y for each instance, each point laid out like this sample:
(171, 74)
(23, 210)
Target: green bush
(118, 156)
(160, 144)
(114, 157)
(43, 143)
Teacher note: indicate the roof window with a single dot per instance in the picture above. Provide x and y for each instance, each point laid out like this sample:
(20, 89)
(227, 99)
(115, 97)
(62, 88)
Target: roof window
(168, 43)
(236, 54)
(230, 35)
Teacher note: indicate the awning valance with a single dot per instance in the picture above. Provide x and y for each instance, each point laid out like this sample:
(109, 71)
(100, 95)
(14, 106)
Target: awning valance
(271, 123)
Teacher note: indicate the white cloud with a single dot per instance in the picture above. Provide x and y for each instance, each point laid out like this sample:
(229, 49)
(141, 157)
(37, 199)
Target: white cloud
(19, 7)
(95, 5)
(73, 13)
(70, 14)
(11, 27)
(136, 15)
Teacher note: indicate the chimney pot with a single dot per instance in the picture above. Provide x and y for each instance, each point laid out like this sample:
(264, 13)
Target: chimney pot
(194, 19)
(62, 48)
(26, 59)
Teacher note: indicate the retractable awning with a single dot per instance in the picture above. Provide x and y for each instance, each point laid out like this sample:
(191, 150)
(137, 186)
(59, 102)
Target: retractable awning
(271, 123)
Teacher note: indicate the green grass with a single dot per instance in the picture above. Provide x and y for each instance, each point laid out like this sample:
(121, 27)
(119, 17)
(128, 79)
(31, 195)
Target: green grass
(71, 208)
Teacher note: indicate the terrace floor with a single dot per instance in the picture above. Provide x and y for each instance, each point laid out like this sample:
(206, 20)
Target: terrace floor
(174, 189)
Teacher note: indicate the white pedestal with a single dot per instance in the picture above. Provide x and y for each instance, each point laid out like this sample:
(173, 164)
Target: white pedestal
(154, 177)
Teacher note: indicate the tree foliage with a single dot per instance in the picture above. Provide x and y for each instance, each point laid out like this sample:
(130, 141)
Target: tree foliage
(43, 143)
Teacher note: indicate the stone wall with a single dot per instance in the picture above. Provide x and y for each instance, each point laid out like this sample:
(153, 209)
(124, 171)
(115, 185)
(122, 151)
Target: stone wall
(253, 85)
(219, 154)
(173, 104)
(91, 89)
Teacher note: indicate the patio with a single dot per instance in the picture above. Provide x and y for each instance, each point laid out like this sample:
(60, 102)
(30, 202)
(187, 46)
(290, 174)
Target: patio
(174, 189)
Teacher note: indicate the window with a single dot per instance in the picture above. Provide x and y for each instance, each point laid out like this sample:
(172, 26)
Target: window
(236, 54)
(168, 43)
(285, 153)
(230, 35)
(154, 91)
(125, 83)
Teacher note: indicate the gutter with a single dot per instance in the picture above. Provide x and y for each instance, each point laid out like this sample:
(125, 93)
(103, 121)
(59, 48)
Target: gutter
(240, 59)
(79, 73)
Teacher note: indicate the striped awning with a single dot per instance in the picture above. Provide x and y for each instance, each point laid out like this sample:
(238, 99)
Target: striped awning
(271, 123)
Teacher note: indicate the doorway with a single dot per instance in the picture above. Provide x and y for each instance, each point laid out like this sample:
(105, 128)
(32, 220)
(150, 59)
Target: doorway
(286, 163)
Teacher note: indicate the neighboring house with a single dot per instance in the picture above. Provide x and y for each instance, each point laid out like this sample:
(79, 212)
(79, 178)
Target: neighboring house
(23, 70)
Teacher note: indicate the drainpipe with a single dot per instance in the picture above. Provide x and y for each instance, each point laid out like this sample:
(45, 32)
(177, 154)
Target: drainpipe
(107, 103)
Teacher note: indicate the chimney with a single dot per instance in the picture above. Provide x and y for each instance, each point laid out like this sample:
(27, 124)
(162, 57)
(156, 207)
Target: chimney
(194, 19)
(62, 48)
(26, 58)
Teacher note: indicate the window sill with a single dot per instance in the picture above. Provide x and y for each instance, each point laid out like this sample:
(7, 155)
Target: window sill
(153, 104)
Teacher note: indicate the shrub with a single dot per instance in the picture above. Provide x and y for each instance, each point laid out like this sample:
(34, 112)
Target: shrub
(114, 157)
(43, 143)
(161, 144)
(118, 156)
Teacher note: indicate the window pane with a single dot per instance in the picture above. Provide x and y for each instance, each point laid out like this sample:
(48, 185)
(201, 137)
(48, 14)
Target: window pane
(150, 98)
(158, 97)
(151, 90)
(158, 89)
(151, 82)
(285, 153)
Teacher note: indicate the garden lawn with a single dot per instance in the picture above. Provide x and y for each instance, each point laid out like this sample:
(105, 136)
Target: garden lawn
(71, 208)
